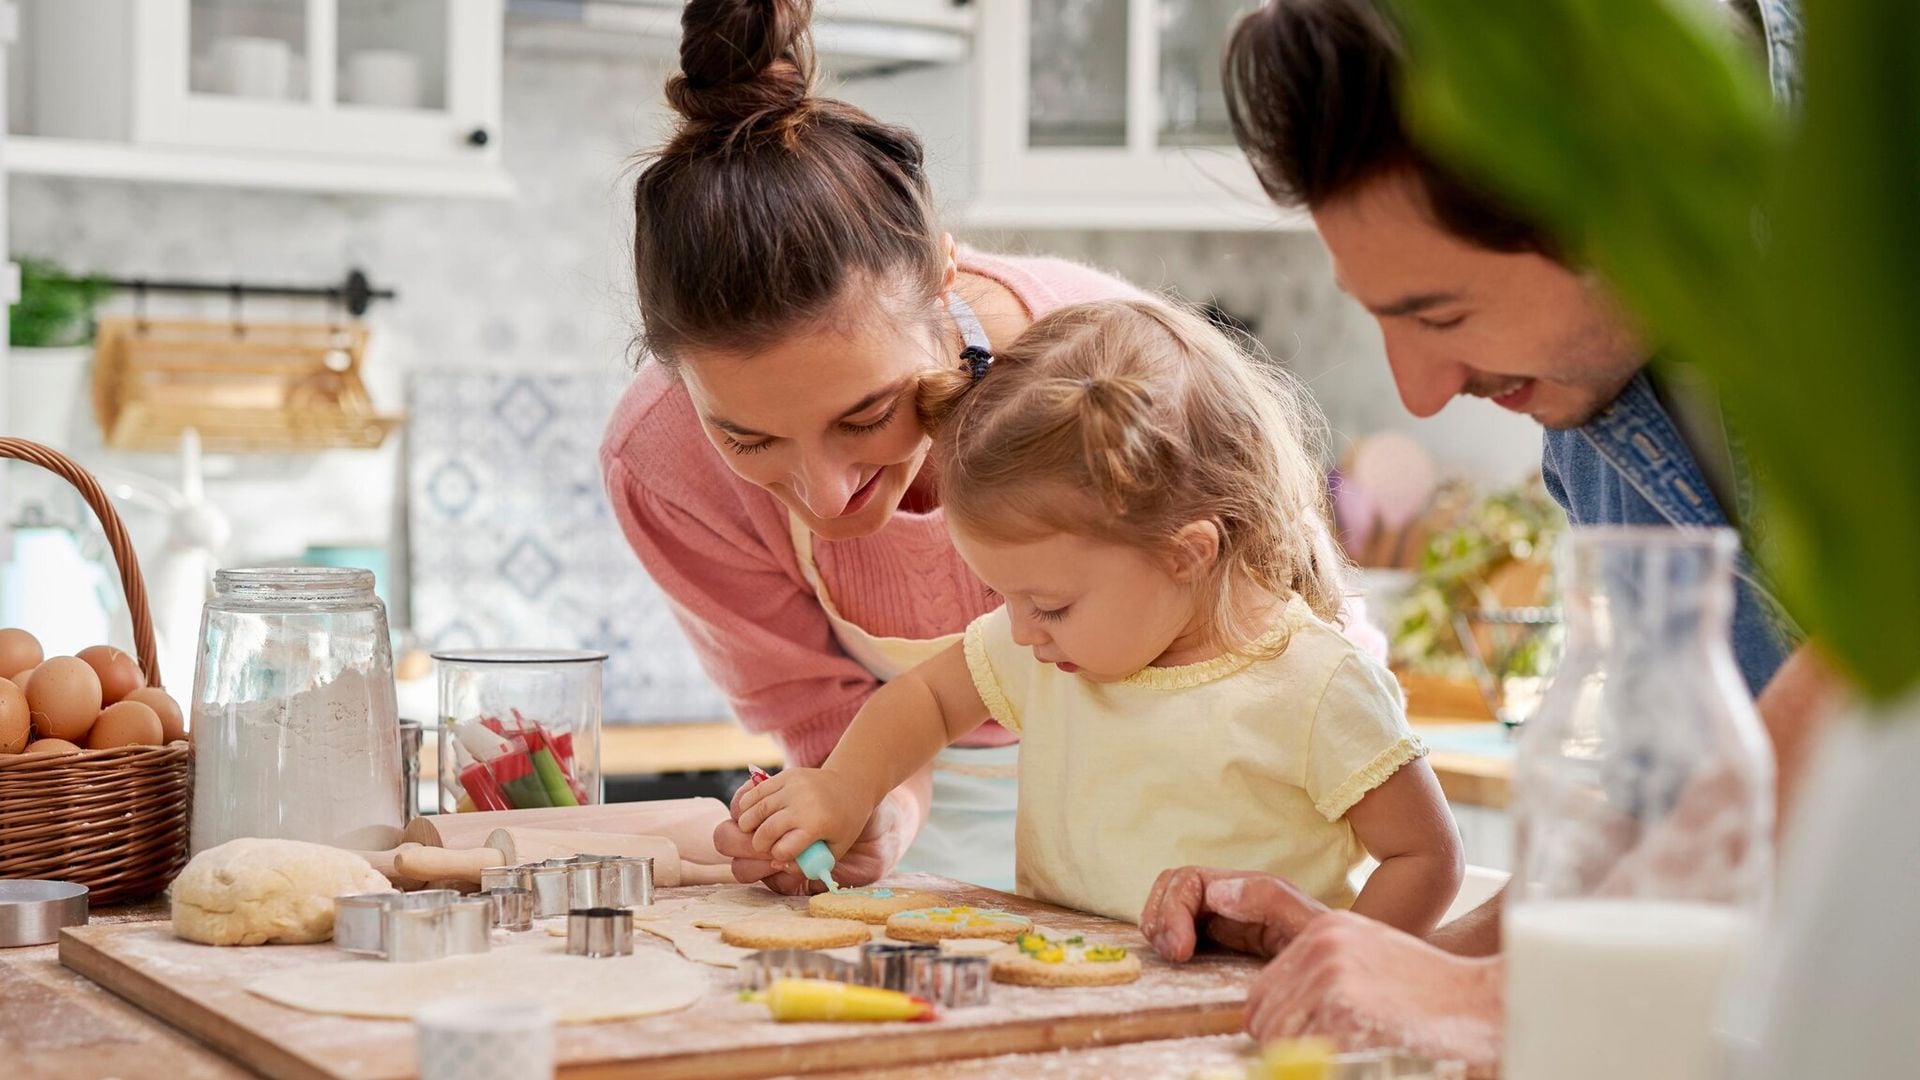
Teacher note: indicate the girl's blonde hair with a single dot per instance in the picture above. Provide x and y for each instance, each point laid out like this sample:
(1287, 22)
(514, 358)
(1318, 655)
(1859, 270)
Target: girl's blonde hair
(1128, 420)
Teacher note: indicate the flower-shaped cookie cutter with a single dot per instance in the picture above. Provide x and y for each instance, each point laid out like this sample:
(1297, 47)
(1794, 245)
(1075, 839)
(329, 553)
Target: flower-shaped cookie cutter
(760, 970)
(407, 927)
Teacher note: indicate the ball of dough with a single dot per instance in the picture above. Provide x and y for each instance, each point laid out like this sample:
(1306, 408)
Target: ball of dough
(257, 892)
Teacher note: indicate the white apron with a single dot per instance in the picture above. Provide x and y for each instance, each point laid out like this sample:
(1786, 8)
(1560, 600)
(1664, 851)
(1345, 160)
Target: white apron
(969, 831)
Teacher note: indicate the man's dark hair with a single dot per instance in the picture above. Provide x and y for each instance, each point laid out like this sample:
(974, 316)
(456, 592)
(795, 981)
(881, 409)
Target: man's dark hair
(1312, 91)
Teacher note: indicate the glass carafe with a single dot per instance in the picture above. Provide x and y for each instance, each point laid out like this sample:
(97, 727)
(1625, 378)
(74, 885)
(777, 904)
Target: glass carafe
(1643, 817)
(295, 731)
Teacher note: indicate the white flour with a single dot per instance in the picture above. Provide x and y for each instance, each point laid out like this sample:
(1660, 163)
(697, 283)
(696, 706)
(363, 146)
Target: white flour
(322, 765)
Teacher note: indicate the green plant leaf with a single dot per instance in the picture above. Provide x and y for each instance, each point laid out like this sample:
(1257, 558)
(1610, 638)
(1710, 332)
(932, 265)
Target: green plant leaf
(55, 308)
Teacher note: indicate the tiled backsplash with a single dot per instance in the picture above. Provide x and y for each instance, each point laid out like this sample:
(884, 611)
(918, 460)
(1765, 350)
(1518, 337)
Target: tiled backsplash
(539, 284)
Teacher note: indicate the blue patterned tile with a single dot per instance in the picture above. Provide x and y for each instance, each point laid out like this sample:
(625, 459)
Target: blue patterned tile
(513, 542)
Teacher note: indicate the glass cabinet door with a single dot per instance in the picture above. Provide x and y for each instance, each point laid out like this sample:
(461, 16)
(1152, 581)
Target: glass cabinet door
(392, 54)
(251, 49)
(1193, 40)
(1077, 73)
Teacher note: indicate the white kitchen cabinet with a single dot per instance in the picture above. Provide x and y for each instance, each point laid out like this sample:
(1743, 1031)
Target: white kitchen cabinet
(1109, 114)
(347, 94)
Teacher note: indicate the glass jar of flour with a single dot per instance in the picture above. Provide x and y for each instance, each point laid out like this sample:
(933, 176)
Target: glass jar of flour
(295, 732)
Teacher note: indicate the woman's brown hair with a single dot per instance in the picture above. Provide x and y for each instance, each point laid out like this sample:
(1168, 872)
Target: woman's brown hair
(768, 202)
(1128, 420)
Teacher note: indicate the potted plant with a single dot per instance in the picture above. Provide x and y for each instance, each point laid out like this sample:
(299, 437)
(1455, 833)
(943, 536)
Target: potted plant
(50, 332)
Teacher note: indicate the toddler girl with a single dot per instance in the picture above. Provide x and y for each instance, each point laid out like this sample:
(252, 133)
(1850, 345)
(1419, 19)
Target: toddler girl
(1144, 498)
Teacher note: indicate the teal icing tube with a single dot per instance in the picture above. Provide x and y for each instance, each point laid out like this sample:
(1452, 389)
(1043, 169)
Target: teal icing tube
(817, 863)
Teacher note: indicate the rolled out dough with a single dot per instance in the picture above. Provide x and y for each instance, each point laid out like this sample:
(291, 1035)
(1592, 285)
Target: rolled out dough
(577, 989)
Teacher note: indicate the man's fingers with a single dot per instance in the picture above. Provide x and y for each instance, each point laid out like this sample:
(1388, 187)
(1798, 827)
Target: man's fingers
(1176, 913)
(1263, 900)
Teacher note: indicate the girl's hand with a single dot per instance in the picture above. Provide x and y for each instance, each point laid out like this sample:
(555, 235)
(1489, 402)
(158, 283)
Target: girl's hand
(786, 813)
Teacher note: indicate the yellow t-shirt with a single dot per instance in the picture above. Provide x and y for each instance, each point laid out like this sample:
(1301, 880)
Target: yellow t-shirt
(1231, 762)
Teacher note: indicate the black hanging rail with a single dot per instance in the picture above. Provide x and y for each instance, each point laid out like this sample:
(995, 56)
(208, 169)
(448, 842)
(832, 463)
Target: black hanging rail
(356, 293)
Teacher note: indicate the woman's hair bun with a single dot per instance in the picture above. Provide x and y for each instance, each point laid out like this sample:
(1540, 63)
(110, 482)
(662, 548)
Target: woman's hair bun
(743, 59)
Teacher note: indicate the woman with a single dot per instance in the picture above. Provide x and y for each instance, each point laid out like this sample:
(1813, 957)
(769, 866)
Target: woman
(766, 468)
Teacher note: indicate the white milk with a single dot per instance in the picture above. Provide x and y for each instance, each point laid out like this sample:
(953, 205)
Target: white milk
(1610, 989)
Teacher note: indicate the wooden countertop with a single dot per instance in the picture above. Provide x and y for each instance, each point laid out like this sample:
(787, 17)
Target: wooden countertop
(57, 1025)
(1466, 775)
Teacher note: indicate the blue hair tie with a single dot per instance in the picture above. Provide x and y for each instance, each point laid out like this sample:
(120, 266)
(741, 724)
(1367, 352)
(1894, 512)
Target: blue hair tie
(977, 360)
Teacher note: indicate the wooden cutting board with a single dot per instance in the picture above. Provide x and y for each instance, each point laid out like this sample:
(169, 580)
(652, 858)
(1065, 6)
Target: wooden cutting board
(201, 989)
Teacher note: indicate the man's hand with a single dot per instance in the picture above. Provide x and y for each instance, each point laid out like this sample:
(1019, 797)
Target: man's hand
(1244, 910)
(1366, 986)
(880, 843)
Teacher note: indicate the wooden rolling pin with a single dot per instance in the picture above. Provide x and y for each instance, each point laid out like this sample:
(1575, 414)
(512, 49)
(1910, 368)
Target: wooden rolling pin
(507, 847)
(383, 861)
(689, 823)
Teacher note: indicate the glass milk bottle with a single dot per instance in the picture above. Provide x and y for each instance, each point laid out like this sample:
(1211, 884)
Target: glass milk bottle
(1643, 816)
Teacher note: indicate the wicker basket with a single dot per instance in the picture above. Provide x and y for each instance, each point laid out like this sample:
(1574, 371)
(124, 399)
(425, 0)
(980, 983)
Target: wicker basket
(112, 820)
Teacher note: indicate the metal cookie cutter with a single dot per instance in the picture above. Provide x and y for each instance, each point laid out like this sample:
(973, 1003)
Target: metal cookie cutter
(599, 932)
(759, 970)
(953, 981)
(512, 907)
(889, 966)
(33, 911)
(407, 927)
(582, 881)
(549, 889)
(506, 877)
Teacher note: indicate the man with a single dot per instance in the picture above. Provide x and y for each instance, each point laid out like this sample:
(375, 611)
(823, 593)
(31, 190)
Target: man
(1471, 300)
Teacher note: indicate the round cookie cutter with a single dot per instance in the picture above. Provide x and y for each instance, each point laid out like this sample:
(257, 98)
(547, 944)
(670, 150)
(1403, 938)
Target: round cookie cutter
(600, 932)
(33, 911)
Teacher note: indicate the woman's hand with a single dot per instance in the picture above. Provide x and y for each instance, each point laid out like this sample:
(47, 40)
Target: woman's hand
(882, 840)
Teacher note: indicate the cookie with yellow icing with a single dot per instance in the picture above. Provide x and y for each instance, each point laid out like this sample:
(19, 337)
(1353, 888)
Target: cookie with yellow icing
(870, 904)
(942, 923)
(1037, 960)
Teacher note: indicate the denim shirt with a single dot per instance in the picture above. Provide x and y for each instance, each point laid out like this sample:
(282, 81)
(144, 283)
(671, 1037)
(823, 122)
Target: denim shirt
(1629, 466)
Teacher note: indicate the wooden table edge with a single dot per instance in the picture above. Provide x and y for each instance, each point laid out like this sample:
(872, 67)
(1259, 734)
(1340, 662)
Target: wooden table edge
(931, 1045)
(79, 955)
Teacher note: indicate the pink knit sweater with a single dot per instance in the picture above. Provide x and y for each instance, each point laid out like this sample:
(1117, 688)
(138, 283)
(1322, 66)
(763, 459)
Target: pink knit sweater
(719, 548)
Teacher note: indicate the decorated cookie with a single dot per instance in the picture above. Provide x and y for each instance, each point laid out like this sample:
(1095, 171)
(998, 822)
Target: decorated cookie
(1037, 960)
(871, 904)
(784, 931)
(941, 923)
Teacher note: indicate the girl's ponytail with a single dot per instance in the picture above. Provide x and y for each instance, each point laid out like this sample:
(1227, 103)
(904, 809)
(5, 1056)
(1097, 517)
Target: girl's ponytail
(1121, 444)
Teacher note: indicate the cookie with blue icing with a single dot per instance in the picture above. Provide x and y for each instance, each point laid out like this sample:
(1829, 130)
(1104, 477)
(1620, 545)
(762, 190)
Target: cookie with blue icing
(947, 923)
(870, 904)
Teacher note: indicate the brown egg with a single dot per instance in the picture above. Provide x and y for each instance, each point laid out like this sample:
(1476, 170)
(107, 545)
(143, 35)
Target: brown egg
(64, 698)
(19, 651)
(15, 729)
(51, 746)
(119, 672)
(127, 723)
(173, 722)
(20, 679)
